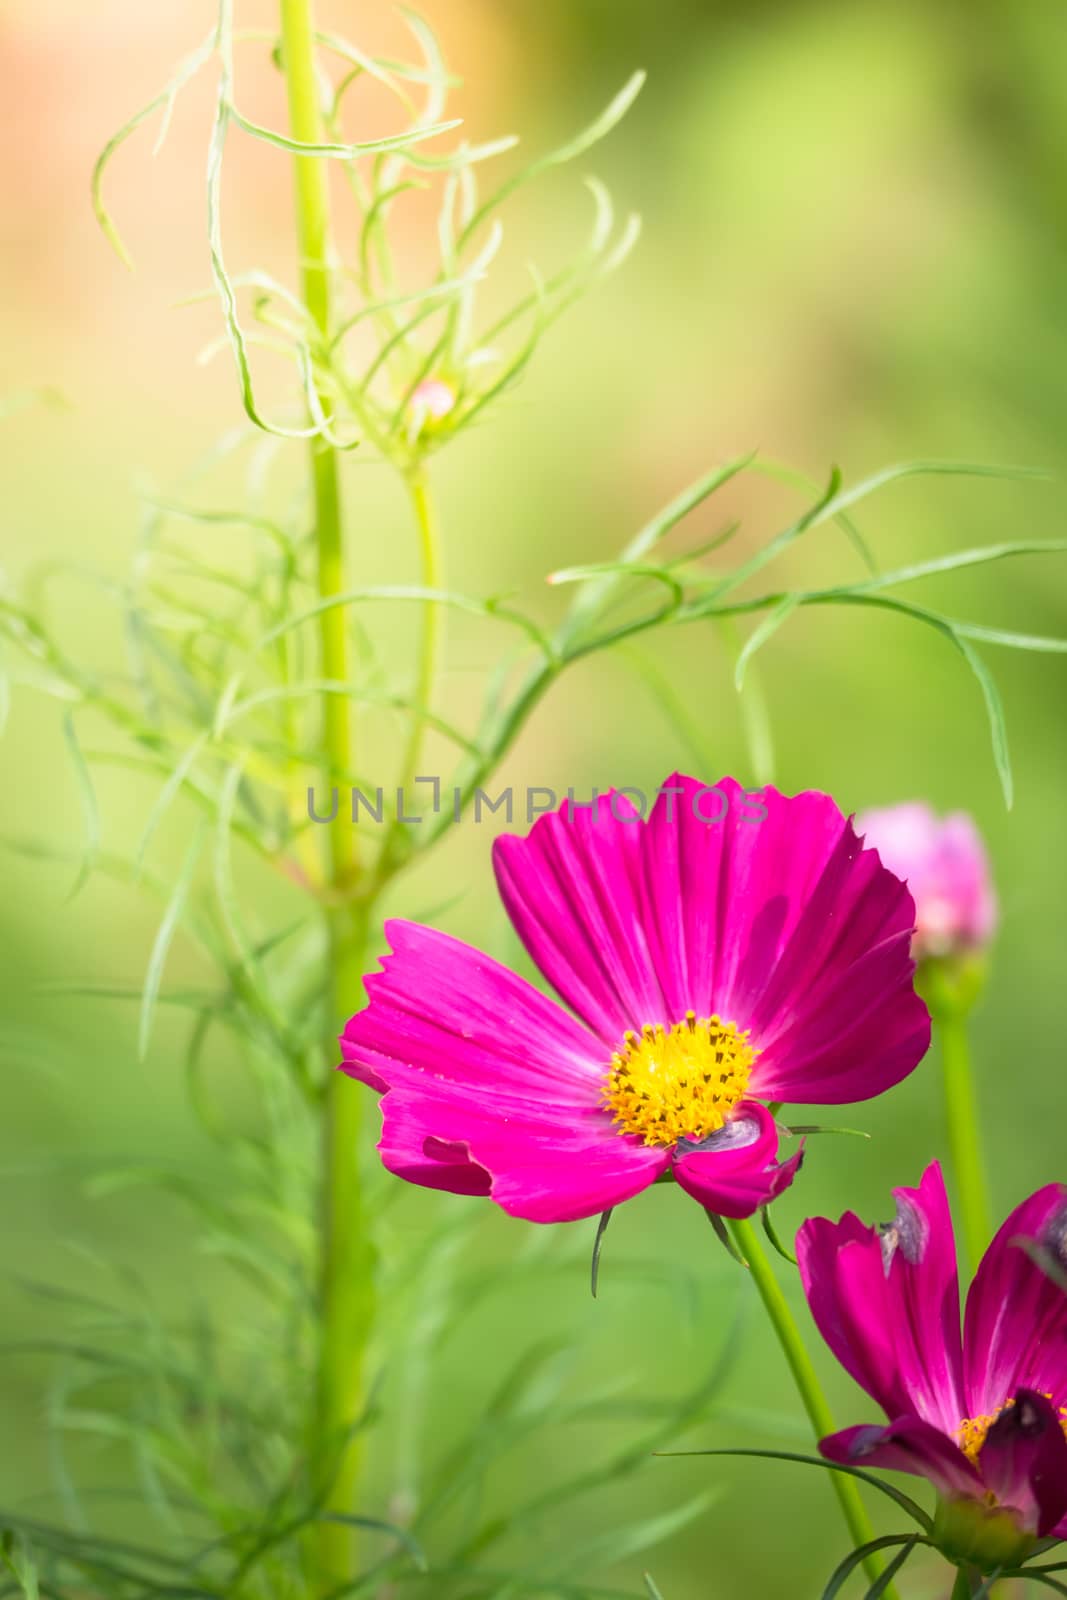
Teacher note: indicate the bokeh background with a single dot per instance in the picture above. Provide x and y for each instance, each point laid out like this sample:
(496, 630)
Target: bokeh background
(854, 251)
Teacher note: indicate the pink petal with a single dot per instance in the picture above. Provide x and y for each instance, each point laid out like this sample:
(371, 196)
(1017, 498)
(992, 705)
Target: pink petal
(489, 1086)
(771, 915)
(1015, 1329)
(945, 865)
(907, 1445)
(887, 1303)
(736, 1171)
(572, 889)
(441, 1009)
(540, 1166)
(1023, 1461)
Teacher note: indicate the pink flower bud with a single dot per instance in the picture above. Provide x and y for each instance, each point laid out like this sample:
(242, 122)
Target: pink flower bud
(433, 399)
(943, 861)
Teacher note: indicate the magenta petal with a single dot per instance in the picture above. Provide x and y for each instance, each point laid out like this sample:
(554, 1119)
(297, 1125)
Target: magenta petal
(1024, 1461)
(1015, 1330)
(764, 909)
(736, 1171)
(887, 1303)
(839, 1019)
(408, 1151)
(908, 1444)
(489, 1086)
(541, 1165)
(572, 888)
(440, 1009)
(777, 919)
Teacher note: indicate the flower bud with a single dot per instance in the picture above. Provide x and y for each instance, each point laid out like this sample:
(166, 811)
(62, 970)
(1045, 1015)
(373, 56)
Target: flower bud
(982, 1536)
(432, 400)
(944, 863)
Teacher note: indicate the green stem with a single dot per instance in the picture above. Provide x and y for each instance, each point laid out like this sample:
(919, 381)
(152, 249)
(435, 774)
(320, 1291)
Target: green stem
(964, 1138)
(962, 1589)
(431, 570)
(800, 1365)
(346, 1283)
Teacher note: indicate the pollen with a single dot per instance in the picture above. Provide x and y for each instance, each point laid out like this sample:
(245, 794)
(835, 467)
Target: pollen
(972, 1431)
(678, 1082)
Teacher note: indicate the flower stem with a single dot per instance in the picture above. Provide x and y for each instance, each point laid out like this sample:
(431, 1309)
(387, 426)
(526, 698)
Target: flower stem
(346, 1282)
(964, 1138)
(800, 1365)
(962, 1589)
(431, 574)
(432, 570)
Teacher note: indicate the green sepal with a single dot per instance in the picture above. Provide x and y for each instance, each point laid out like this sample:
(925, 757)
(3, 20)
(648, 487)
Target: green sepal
(982, 1536)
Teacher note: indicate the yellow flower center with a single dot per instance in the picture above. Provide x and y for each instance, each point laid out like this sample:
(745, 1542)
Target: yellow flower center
(972, 1431)
(680, 1082)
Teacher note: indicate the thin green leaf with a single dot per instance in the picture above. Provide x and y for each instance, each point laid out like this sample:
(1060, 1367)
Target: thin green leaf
(318, 686)
(597, 130)
(781, 541)
(760, 634)
(948, 629)
(769, 1230)
(855, 1558)
(467, 155)
(161, 945)
(722, 1233)
(220, 276)
(926, 469)
(817, 1127)
(905, 1502)
(187, 69)
(377, 1525)
(995, 712)
(620, 1544)
(1011, 641)
(592, 599)
(174, 783)
(800, 480)
(881, 1584)
(340, 152)
(601, 1229)
(979, 556)
(17, 1556)
(651, 1586)
(89, 807)
(1039, 1575)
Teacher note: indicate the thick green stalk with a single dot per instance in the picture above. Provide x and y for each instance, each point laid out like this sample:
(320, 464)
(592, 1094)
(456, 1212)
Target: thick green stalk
(346, 1286)
(962, 1588)
(808, 1386)
(964, 1137)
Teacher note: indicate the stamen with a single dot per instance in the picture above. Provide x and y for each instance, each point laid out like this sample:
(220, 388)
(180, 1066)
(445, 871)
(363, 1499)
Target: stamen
(678, 1082)
(972, 1432)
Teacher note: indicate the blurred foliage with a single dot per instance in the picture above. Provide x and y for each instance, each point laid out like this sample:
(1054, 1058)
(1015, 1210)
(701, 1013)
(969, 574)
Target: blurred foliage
(854, 250)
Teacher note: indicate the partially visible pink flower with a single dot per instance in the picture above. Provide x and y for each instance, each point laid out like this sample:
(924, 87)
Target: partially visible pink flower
(982, 1416)
(943, 861)
(433, 398)
(723, 952)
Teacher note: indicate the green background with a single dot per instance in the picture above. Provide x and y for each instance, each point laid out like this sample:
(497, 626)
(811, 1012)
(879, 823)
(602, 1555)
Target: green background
(855, 252)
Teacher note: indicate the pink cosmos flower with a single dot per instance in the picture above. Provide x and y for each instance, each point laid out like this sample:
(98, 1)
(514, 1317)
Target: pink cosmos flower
(982, 1417)
(728, 949)
(944, 863)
